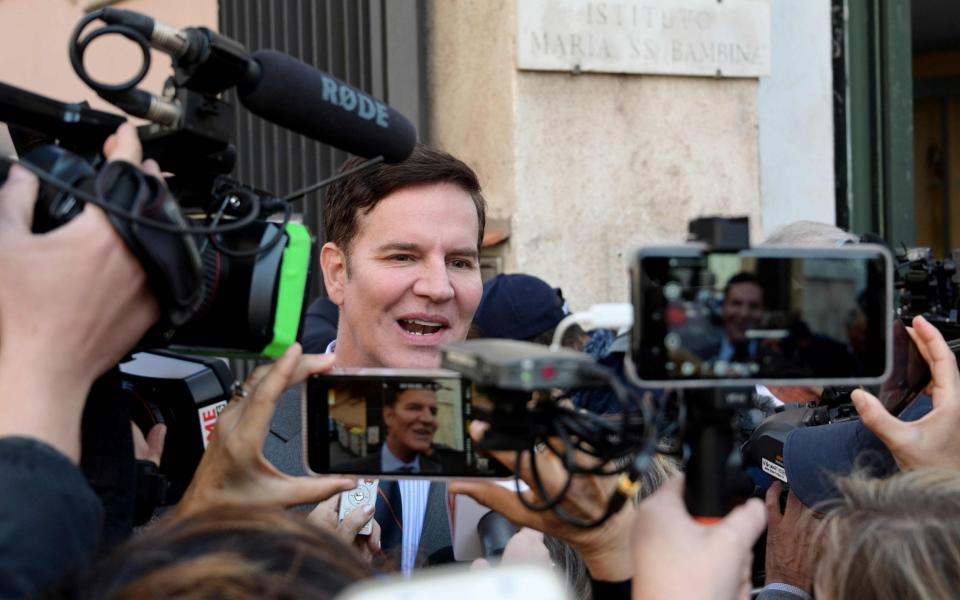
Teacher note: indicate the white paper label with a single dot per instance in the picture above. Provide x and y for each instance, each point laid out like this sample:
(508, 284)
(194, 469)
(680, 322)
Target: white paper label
(772, 468)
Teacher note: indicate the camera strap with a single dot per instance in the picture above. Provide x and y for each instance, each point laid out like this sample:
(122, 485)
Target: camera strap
(171, 260)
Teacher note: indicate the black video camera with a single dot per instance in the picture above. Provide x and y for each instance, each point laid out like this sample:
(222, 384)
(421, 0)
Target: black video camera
(764, 448)
(213, 260)
(929, 287)
(230, 278)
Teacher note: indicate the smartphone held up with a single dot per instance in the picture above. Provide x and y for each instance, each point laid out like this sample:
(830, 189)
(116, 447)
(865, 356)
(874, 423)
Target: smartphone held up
(392, 422)
(795, 316)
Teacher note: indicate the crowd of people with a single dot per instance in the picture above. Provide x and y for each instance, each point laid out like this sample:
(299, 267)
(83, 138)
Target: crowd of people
(401, 266)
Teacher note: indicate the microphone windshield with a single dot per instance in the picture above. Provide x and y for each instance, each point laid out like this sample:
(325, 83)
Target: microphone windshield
(304, 99)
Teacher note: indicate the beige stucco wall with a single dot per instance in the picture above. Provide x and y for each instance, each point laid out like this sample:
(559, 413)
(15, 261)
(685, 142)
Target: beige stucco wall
(472, 96)
(34, 36)
(586, 167)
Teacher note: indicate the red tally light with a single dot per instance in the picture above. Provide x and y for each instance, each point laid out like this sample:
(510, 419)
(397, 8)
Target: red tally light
(548, 372)
(676, 316)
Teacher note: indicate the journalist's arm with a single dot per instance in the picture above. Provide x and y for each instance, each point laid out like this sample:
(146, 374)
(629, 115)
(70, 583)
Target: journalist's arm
(72, 302)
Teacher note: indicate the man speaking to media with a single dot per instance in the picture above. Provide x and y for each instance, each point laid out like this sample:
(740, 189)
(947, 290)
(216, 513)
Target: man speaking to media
(402, 259)
(401, 262)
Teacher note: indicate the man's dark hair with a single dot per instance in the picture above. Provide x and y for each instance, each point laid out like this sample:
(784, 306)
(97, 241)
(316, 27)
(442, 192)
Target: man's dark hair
(362, 191)
(742, 277)
(392, 392)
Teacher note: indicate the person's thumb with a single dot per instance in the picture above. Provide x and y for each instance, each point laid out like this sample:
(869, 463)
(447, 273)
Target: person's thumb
(876, 418)
(355, 520)
(746, 522)
(155, 441)
(325, 513)
(18, 196)
(308, 490)
(124, 144)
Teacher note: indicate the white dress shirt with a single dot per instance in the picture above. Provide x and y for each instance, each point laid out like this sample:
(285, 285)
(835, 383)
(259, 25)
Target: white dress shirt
(413, 498)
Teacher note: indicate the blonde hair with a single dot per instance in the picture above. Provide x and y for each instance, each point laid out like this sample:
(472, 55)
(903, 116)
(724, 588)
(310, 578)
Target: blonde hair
(662, 467)
(893, 538)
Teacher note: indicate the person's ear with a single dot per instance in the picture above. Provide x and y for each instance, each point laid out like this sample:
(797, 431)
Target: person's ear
(333, 263)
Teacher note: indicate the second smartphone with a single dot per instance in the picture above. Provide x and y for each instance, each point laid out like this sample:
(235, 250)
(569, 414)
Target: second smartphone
(392, 423)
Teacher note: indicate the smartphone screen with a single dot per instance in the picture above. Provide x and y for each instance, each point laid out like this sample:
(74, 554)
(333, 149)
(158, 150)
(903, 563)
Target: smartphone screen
(801, 315)
(405, 423)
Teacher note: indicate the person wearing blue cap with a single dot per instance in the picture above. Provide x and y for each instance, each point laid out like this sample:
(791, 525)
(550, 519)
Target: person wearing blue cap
(517, 306)
(880, 441)
(813, 456)
(875, 446)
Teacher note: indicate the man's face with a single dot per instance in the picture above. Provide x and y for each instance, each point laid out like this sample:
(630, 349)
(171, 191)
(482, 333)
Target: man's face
(411, 422)
(742, 310)
(413, 281)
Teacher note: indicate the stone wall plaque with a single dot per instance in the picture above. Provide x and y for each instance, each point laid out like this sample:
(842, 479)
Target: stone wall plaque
(717, 38)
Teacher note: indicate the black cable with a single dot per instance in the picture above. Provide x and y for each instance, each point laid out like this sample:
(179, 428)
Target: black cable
(549, 501)
(294, 196)
(590, 430)
(640, 463)
(614, 503)
(251, 197)
(79, 46)
(114, 92)
(612, 452)
(214, 222)
(97, 200)
(611, 460)
(278, 235)
(592, 444)
(594, 436)
(77, 49)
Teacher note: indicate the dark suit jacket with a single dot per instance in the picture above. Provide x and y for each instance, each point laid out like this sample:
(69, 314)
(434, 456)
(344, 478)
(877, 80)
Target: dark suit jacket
(284, 448)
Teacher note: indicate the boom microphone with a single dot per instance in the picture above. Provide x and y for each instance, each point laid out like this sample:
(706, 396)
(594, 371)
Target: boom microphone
(304, 99)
